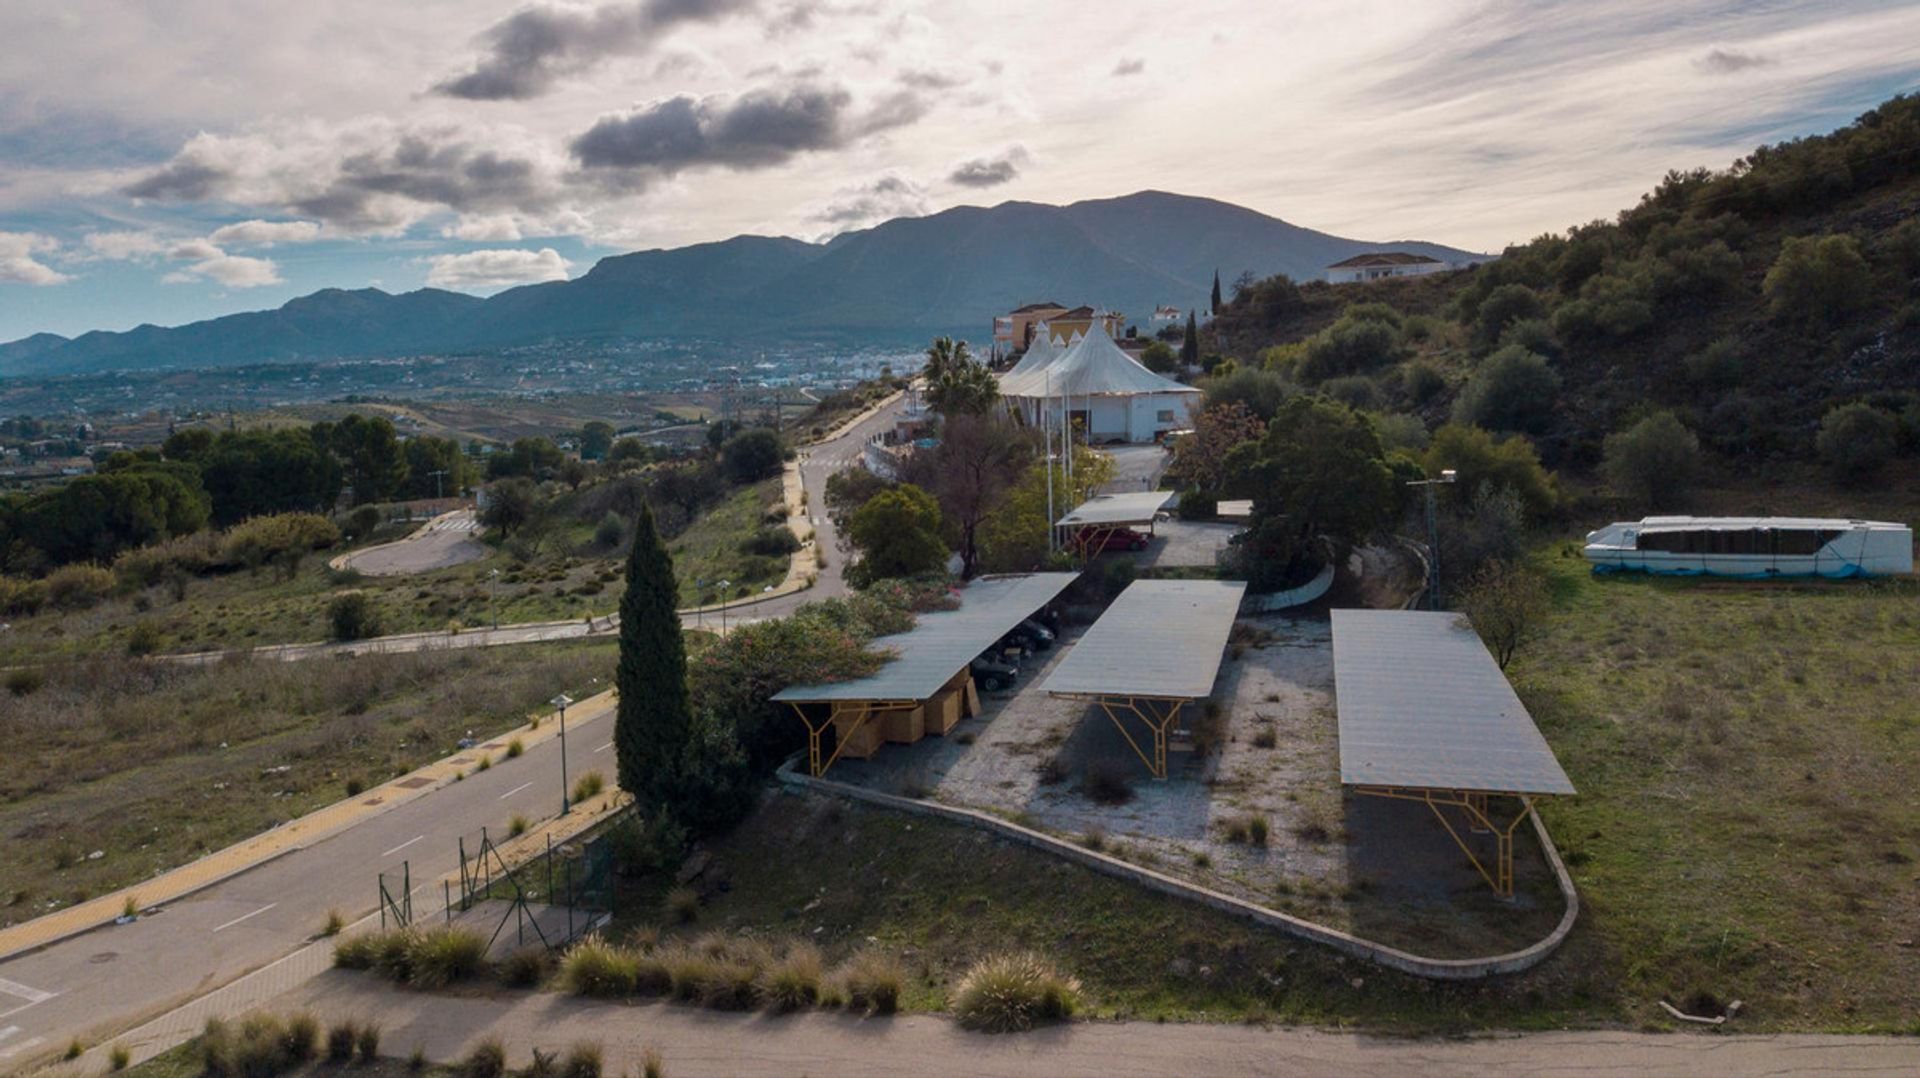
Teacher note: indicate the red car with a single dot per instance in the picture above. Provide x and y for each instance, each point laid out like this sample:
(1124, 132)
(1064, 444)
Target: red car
(1091, 541)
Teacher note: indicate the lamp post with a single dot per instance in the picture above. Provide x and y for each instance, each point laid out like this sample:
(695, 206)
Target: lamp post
(493, 595)
(1447, 476)
(561, 701)
(699, 603)
(724, 585)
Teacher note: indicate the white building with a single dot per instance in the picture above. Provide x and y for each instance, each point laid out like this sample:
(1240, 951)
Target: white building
(1380, 264)
(1104, 393)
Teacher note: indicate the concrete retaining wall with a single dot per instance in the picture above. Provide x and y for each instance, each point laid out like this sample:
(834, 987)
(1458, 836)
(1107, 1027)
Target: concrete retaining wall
(1446, 969)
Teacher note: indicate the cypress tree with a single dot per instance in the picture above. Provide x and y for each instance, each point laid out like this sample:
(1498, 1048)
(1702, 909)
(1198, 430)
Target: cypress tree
(1214, 310)
(651, 730)
(1190, 348)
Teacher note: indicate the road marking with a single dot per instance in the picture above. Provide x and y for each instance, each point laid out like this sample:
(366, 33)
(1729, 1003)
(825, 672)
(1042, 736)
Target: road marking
(255, 913)
(31, 995)
(7, 1053)
(604, 747)
(515, 790)
(403, 845)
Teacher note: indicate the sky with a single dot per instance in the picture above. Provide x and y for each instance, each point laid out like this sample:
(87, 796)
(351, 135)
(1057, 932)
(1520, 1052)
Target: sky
(170, 162)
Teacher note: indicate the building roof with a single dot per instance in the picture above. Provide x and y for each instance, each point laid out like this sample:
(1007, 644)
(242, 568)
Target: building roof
(1422, 704)
(1160, 638)
(1095, 366)
(1384, 258)
(1031, 307)
(1743, 523)
(942, 643)
(1042, 351)
(1136, 507)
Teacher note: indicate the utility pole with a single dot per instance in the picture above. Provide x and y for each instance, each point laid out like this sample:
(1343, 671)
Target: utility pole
(437, 476)
(561, 701)
(1433, 534)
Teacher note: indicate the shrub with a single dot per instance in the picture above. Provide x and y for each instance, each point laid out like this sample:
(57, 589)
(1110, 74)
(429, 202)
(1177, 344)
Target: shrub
(118, 1057)
(518, 826)
(1532, 334)
(794, 981)
(77, 587)
(1198, 505)
(1266, 737)
(589, 786)
(351, 616)
(583, 1061)
(1513, 390)
(332, 926)
(1506, 304)
(361, 522)
(1108, 782)
(1818, 280)
(340, 1041)
(25, 681)
(1717, 366)
(75, 1049)
(610, 532)
(683, 904)
(262, 1045)
(1355, 391)
(651, 1065)
(1351, 346)
(872, 981)
(1857, 440)
(443, 954)
(595, 967)
(487, 1060)
(1011, 992)
(771, 541)
(525, 968)
(259, 540)
(1421, 381)
(515, 749)
(1654, 461)
(143, 638)
(21, 598)
(367, 1043)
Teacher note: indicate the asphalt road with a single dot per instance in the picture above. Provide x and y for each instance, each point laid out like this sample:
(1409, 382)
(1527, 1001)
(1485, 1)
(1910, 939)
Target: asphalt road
(112, 977)
(446, 540)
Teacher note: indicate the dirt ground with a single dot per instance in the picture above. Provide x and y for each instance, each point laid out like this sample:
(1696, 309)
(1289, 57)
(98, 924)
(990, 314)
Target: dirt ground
(1265, 748)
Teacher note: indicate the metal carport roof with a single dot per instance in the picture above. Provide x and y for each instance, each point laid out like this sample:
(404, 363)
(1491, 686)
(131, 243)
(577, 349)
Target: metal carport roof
(1160, 638)
(1137, 507)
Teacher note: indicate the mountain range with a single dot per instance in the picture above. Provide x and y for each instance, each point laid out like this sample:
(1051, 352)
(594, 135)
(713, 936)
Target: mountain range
(897, 282)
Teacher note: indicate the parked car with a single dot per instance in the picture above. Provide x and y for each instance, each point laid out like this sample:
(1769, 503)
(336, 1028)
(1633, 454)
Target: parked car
(1090, 542)
(992, 674)
(1041, 635)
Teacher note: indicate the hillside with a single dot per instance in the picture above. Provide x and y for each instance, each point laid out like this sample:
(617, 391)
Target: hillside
(897, 282)
(1749, 301)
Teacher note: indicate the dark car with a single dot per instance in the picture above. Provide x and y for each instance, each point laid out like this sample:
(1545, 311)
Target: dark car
(991, 674)
(1091, 542)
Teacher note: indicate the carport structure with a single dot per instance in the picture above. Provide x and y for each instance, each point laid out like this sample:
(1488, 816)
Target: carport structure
(1426, 715)
(932, 667)
(1155, 650)
(1105, 514)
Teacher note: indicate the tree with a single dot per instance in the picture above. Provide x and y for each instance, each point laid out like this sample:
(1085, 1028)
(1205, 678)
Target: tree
(1190, 344)
(1818, 280)
(596, 439)
(1319, 473)
(1200, 457)
(512, 504)
(1480, 460)
(898, 534)
(969, 472)
(956, 384)
(1856, 441)
(1513, 390)
(1013, 537)
(1262, 391)
(651, 728)
(94, 517)
(436, 468)
(1213, 306)
(752, 455)
(1506, 602)
(1654, 461)
(529, 458)
(1351, 346)
(1504, 305)
(369, 453)
(252, 472)
(628, 452)
(944, 356)
(351, 616)
(1160, 358)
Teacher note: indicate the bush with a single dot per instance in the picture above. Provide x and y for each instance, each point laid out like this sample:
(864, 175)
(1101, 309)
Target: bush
(771, 541)
(487, 1060)
(143, 638)
(1421, 381)
(1012, 992)
(77, 587)
(583, 1061)
(443, 954)
(118, 1057)
(515, 749)
(351, 616)
(589, 786)
(1355, 391)
(597, 968)
(794, 981)
(872, 981)
(526, 967)
(1514, 390)
(1534, 335)
(361, 522)
(1717, 366)
(21, 598)
(1198, 505)
(1351, 346)
(1503, 306)
(610, 532)
(261, 1046)
(1856, 441)
(332, 926)
(683, 904)
(1818, 280)
(1109, 782)
(1654, 461)
(752, 455)
(518, 826)
(260, 540)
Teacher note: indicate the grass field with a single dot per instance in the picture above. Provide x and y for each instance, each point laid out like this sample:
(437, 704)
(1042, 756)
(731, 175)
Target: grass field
(709, 550)
(153, 765)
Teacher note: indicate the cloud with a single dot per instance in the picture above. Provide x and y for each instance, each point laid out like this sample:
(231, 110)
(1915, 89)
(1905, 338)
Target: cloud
(933, 79)
(1129, 65)
(497, 228)
(258, 233)
(234, 271)
(1724, 61)
(482, 270)
(801, 15)
(884, 198)
(757, 129)
(183, 179)
(990, 171)
(124, 246)
(18, 264)
(529, 51)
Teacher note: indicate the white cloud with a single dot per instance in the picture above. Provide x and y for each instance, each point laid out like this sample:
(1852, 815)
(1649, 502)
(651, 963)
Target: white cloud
(128, 246)
(495, 228)
(212, 264)
(18, 264)
(484, 270)
(259, 233)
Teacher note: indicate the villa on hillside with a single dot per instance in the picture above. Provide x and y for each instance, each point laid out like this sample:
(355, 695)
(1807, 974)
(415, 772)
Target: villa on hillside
(1379, 264)
(1014, 331)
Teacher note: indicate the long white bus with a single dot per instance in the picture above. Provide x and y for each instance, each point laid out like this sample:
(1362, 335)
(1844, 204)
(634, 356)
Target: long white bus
(1752, 548)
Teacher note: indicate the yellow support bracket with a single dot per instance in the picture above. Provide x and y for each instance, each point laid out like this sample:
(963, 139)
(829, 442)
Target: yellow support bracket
(1480, 820)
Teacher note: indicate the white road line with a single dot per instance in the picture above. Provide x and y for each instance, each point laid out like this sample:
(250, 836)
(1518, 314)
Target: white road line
(8, 1053)
(403, 845)
(515, 790)
(31, 995)
(255, 913)
(604, 747)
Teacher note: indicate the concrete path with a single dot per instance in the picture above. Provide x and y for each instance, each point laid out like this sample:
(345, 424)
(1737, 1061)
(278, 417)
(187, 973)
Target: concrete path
(445, 541)
(694, 1042)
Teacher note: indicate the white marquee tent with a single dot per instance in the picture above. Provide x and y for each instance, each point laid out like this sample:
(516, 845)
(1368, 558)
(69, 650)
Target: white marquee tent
(1099, 386)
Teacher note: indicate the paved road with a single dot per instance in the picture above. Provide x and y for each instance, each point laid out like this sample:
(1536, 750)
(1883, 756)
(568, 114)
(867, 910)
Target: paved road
(696, 1042)
(111, 977)
(444, 541)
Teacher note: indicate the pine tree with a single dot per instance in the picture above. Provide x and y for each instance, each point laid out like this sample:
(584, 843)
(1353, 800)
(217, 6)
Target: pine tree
(1190, 348)
(651, 730)
(1214, 309)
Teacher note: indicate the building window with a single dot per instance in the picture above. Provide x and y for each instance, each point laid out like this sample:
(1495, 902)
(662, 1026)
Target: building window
(1164, 415)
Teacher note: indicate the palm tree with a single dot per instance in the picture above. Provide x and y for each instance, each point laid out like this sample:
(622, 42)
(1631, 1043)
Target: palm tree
(944, 357)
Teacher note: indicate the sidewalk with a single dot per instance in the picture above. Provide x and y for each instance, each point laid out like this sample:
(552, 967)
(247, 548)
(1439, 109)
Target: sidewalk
(253, 852)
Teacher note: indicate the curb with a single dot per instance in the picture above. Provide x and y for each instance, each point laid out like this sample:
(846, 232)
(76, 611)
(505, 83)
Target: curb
(1442, 969)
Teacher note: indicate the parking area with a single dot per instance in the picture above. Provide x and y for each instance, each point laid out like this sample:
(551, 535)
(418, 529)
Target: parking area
(1187, 543)
(1263, 748)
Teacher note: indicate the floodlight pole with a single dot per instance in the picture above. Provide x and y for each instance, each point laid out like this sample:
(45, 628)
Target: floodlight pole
(561, 701)
(1447, 476)
(724, 585)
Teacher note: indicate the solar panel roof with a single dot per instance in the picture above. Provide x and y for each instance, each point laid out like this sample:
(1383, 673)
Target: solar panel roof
(1423, 704)
(1138, 507)
(942, 642)
(1159, 638)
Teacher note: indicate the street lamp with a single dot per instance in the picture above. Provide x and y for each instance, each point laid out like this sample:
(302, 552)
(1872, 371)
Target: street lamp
(724, 585)
(493, 596)
(561, 701)
(699, 603)
(1447, 476)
